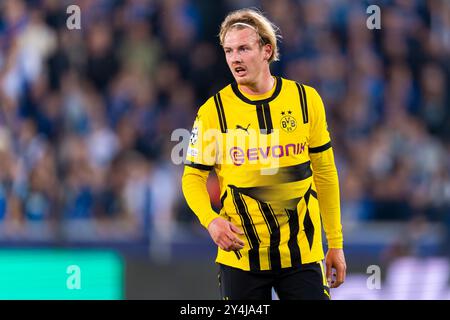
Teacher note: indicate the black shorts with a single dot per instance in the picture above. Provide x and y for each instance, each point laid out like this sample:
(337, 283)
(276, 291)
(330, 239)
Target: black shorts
(306, 282)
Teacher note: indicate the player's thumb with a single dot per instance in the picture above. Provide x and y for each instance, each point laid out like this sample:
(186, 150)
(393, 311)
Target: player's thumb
(236, 229)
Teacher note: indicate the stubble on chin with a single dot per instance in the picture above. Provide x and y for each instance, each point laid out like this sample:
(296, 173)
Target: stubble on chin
(242, 81)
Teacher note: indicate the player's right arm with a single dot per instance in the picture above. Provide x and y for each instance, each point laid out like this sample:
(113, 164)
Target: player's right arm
(200, 159)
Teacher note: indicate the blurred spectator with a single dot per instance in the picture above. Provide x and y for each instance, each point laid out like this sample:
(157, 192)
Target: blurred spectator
(86, 115)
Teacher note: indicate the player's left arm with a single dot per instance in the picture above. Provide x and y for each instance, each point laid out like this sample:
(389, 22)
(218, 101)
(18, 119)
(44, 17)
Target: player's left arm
(327, 184)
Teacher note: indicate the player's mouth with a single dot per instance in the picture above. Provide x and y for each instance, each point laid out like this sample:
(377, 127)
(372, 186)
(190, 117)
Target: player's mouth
(240, 71)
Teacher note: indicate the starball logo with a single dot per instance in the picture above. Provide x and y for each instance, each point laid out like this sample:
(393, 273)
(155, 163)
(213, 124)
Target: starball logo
(238, 155)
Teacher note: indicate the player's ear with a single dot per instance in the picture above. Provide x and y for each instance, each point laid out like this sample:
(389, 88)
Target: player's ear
(268, 50)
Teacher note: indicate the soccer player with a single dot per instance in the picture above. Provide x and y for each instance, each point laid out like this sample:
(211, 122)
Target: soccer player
(266, 138)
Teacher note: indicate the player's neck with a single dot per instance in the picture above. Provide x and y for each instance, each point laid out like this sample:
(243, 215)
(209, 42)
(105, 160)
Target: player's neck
(265, 84)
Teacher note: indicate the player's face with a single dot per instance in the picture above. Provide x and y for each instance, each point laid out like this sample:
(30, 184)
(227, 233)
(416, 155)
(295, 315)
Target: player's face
(245, 56)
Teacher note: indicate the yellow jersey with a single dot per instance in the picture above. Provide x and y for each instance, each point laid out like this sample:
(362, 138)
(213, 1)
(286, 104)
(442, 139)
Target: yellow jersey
(271, 153)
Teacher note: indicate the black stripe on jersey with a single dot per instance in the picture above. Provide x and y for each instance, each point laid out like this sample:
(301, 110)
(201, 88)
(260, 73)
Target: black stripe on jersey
(219, 98)
(198, 166)
(222, 198)
(309, 228)
(267, 117)
(238, 254)
(307, 194)
(314, 193)
(293, 173)
(264, 119)
(305, 107)
(276, 92)
(303, 102)
(307, 222)
(261, 120)
(297, 172)
(249, 230)
(287, 174)
(326, 146)
(274, 230)
(294, 228)
(220, 113)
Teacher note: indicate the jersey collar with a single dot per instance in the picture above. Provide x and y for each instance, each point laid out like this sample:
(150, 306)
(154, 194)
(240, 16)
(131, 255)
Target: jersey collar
(239, 94)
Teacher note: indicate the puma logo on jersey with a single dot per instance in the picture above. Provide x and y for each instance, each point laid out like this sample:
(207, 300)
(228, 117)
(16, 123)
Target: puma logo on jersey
(242, 128)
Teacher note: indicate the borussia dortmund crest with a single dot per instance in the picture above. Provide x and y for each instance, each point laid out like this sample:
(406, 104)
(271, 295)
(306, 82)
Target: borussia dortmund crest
(288, 122)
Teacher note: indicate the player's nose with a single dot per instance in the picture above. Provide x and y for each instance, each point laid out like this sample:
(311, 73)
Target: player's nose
(235, 58)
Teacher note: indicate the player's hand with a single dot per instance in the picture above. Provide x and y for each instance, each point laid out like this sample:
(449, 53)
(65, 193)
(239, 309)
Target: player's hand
(336, 267)
(225, 234)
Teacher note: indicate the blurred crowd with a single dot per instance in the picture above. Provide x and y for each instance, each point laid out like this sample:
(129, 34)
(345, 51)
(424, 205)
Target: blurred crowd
(86, 115)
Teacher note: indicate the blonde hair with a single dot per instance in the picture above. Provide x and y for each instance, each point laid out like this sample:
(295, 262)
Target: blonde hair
(253, 19)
